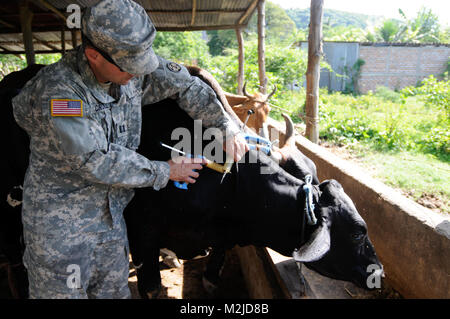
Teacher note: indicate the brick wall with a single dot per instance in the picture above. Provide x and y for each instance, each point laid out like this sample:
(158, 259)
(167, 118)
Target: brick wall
(398, 66)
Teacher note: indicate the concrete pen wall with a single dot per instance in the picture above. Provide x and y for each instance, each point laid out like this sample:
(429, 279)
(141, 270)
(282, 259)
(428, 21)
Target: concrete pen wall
(412, 242)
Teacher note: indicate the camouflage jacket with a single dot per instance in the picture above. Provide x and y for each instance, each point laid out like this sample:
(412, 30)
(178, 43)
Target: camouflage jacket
(83, 165)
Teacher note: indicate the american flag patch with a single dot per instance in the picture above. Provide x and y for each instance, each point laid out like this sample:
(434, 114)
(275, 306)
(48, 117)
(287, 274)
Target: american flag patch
(65, 107)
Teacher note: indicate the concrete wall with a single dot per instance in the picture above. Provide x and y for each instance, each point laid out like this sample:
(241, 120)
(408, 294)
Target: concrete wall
(412, 242)
(398, 66)
(391, 65)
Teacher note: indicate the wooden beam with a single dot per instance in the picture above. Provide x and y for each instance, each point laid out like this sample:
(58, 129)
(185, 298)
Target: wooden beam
(198, 28)
(36, 52)
(26, 16)
(247, 12)
(63, 41)
(261, 46)
(194, 9)
(6, 24)
(74, 38)
(51, 8)
(47, 44)
(240, 77)
(190, 11)
(313, 71)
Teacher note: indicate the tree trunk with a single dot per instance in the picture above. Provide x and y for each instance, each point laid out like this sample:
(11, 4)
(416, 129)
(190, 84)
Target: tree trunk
(313, 71)
(240, 78)
(261, 46)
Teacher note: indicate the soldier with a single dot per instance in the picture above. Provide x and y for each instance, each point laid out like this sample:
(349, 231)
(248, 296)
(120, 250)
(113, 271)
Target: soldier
(83, 116)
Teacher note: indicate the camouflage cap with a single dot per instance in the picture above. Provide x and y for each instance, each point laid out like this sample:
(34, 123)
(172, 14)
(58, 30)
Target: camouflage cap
(124, 31)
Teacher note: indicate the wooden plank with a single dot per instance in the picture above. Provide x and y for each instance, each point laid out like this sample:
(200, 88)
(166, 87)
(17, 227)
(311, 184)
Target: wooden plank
(258, 273)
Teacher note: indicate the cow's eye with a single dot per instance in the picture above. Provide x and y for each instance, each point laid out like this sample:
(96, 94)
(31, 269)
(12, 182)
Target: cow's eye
(357, 237)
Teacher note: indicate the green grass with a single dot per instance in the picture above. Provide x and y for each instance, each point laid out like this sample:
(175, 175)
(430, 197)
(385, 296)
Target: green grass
(417, 174)
(404, 141)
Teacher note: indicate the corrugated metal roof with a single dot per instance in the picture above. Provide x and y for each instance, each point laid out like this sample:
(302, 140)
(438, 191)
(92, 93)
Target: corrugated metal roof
(167, 15)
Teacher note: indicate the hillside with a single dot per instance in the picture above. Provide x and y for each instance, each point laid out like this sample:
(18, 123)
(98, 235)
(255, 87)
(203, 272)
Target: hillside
(333, 18)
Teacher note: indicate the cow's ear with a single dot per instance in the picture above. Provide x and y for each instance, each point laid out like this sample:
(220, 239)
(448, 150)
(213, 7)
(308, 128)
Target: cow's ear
(330, 190)
(317, 246)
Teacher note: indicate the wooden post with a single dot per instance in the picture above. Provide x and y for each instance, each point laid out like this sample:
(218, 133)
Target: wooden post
(240, 78)
(63, 41)
(261, 46)
(313, 71)
(26, 16)
(74, 38)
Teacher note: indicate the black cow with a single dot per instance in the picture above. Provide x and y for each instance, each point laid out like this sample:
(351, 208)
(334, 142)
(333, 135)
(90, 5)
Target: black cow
(248, 208)
(14, 164)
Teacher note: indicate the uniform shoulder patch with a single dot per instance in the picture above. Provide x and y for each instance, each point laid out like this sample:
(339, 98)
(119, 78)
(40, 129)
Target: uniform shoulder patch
(174, 67)
(66, 107)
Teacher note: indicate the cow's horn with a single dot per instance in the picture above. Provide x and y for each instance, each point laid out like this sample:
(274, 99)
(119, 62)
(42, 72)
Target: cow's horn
(316, 247)
(272, 93)
(289, 136)
(245, 91)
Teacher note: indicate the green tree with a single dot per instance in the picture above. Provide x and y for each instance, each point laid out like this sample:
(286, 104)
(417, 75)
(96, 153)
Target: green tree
(390, 30)
(219, 40)
(283, 67)
(423, 28)
(184, 47)
(279, 26)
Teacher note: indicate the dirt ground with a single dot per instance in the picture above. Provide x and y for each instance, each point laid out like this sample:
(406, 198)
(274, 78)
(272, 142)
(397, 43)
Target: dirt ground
(178, 283)
(186, 282)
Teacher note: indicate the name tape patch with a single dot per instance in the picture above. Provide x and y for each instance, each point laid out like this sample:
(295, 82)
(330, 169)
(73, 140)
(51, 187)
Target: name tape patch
(66, 107)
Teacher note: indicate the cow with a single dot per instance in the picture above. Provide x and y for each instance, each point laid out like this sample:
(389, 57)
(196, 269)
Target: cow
(14, 164)
(248, 208)
(238, 106)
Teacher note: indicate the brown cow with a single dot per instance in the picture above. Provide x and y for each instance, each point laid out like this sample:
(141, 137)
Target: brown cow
(238, 105)
(257, 104)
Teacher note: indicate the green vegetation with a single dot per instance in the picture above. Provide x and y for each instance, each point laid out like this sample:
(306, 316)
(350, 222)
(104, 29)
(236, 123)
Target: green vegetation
(344, 26)
(402, 138)
(10, 63)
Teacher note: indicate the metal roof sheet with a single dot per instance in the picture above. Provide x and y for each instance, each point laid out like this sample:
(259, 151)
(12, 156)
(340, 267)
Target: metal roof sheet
(173, 15)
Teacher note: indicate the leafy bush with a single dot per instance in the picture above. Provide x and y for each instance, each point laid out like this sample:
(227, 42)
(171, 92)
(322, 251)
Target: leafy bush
(437, 141)
(435, 94)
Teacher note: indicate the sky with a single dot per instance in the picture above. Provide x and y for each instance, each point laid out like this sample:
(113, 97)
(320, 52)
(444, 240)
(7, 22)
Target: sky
(386, 8)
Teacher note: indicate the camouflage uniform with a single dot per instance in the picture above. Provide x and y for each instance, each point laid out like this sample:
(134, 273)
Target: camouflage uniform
(83, 168)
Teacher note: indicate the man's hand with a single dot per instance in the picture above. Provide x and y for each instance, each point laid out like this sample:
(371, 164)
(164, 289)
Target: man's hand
(182, 169)
(237, 146)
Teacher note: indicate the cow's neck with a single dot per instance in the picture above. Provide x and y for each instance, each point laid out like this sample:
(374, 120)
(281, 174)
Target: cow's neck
(272, 215)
